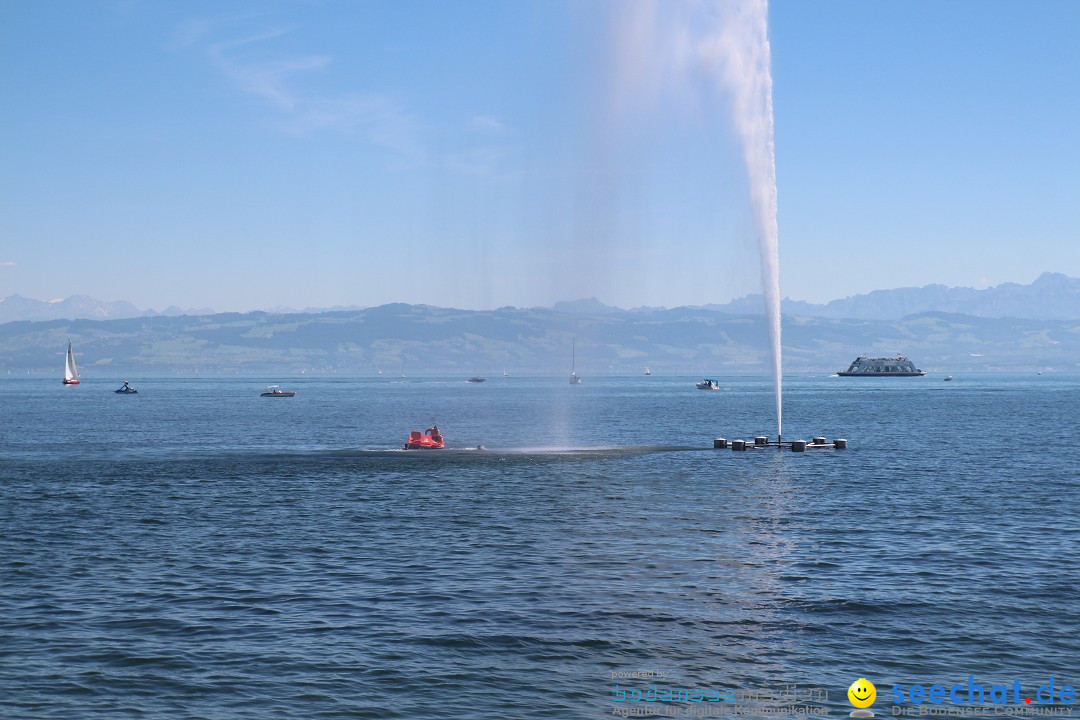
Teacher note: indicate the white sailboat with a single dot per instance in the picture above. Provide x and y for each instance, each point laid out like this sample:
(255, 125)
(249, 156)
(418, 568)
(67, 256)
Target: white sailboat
(71, 370)
(575, 379)
(647, 370)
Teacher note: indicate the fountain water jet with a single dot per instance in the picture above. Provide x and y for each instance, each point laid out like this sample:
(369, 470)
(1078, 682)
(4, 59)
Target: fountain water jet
(664, 49)
(740, 55)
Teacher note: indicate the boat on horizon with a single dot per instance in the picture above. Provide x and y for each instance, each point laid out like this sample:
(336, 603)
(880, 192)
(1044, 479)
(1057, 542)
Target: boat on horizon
(707, 384)
(430, 439)
(275, 391)
(71, 370)
(575, 379)
(898, 366)
(647, 370)
(475, 379)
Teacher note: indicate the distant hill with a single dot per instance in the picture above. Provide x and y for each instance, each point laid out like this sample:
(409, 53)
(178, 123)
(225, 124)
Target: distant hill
(1051, 296)
(439, 341)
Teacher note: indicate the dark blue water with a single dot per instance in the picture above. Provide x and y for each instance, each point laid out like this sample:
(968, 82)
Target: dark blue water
(197, 551)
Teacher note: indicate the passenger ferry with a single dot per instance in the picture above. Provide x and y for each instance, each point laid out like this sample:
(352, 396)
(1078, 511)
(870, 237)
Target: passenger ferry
(898, 366)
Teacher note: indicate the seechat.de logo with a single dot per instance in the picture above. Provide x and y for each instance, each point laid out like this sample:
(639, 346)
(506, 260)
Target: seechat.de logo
(862, 694)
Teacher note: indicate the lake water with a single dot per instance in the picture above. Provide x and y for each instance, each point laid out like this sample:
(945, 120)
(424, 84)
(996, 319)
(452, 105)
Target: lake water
(196, 551)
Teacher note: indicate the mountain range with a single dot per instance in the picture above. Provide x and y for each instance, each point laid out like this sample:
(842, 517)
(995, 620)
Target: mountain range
(1052, 296)
(1008, 327)
(425, 340)
(80, 307)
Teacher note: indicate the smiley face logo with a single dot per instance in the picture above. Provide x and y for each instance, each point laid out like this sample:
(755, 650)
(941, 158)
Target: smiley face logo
(862, 693)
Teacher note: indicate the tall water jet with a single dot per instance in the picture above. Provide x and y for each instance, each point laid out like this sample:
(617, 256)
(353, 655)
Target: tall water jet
(664, 50)
(739, 52)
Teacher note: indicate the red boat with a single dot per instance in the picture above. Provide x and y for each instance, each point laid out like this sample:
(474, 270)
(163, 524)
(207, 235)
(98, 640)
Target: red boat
(431, 439)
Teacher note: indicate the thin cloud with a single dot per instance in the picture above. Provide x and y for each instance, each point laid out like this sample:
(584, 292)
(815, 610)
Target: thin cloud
(488, 159)
(382, 120)
(7, 263)
(267, 79)
(194, 32)
(483, 161)
(280, 82)
(191, 32)
(487, 124)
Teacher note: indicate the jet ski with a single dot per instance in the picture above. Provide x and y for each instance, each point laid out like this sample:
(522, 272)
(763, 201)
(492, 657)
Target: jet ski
(126, 389)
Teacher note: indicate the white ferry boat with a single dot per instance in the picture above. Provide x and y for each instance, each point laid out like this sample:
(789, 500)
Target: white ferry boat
(898, 366)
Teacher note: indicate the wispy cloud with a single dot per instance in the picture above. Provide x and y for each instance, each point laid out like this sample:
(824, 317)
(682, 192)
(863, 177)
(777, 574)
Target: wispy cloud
(486, 157)
(383, 120)
(197, 31)
(7, 263)
(268, 79)
(487, 124)
(484, 161)
(253, 64)
(248, 50)
(191, 32)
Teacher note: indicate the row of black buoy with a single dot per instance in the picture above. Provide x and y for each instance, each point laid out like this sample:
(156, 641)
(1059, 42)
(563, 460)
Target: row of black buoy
(762, 441)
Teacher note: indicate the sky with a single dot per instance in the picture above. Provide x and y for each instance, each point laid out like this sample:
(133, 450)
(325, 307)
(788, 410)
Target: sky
(252, 155)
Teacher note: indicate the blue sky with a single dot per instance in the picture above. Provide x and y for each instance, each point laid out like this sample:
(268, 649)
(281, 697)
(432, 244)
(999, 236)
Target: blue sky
(479, 154)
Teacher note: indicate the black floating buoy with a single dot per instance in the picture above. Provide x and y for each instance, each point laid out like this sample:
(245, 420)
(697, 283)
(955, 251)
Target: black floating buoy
(761, 441)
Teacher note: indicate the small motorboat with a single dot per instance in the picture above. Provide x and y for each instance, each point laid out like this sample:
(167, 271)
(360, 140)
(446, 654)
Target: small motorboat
(275, 391)
(430, 439)
(948, 378)
(126, 389)
(476, 379)
(708, 384)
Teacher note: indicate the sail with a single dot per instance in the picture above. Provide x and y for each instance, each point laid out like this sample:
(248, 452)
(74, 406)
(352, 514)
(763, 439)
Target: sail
(71, 370)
